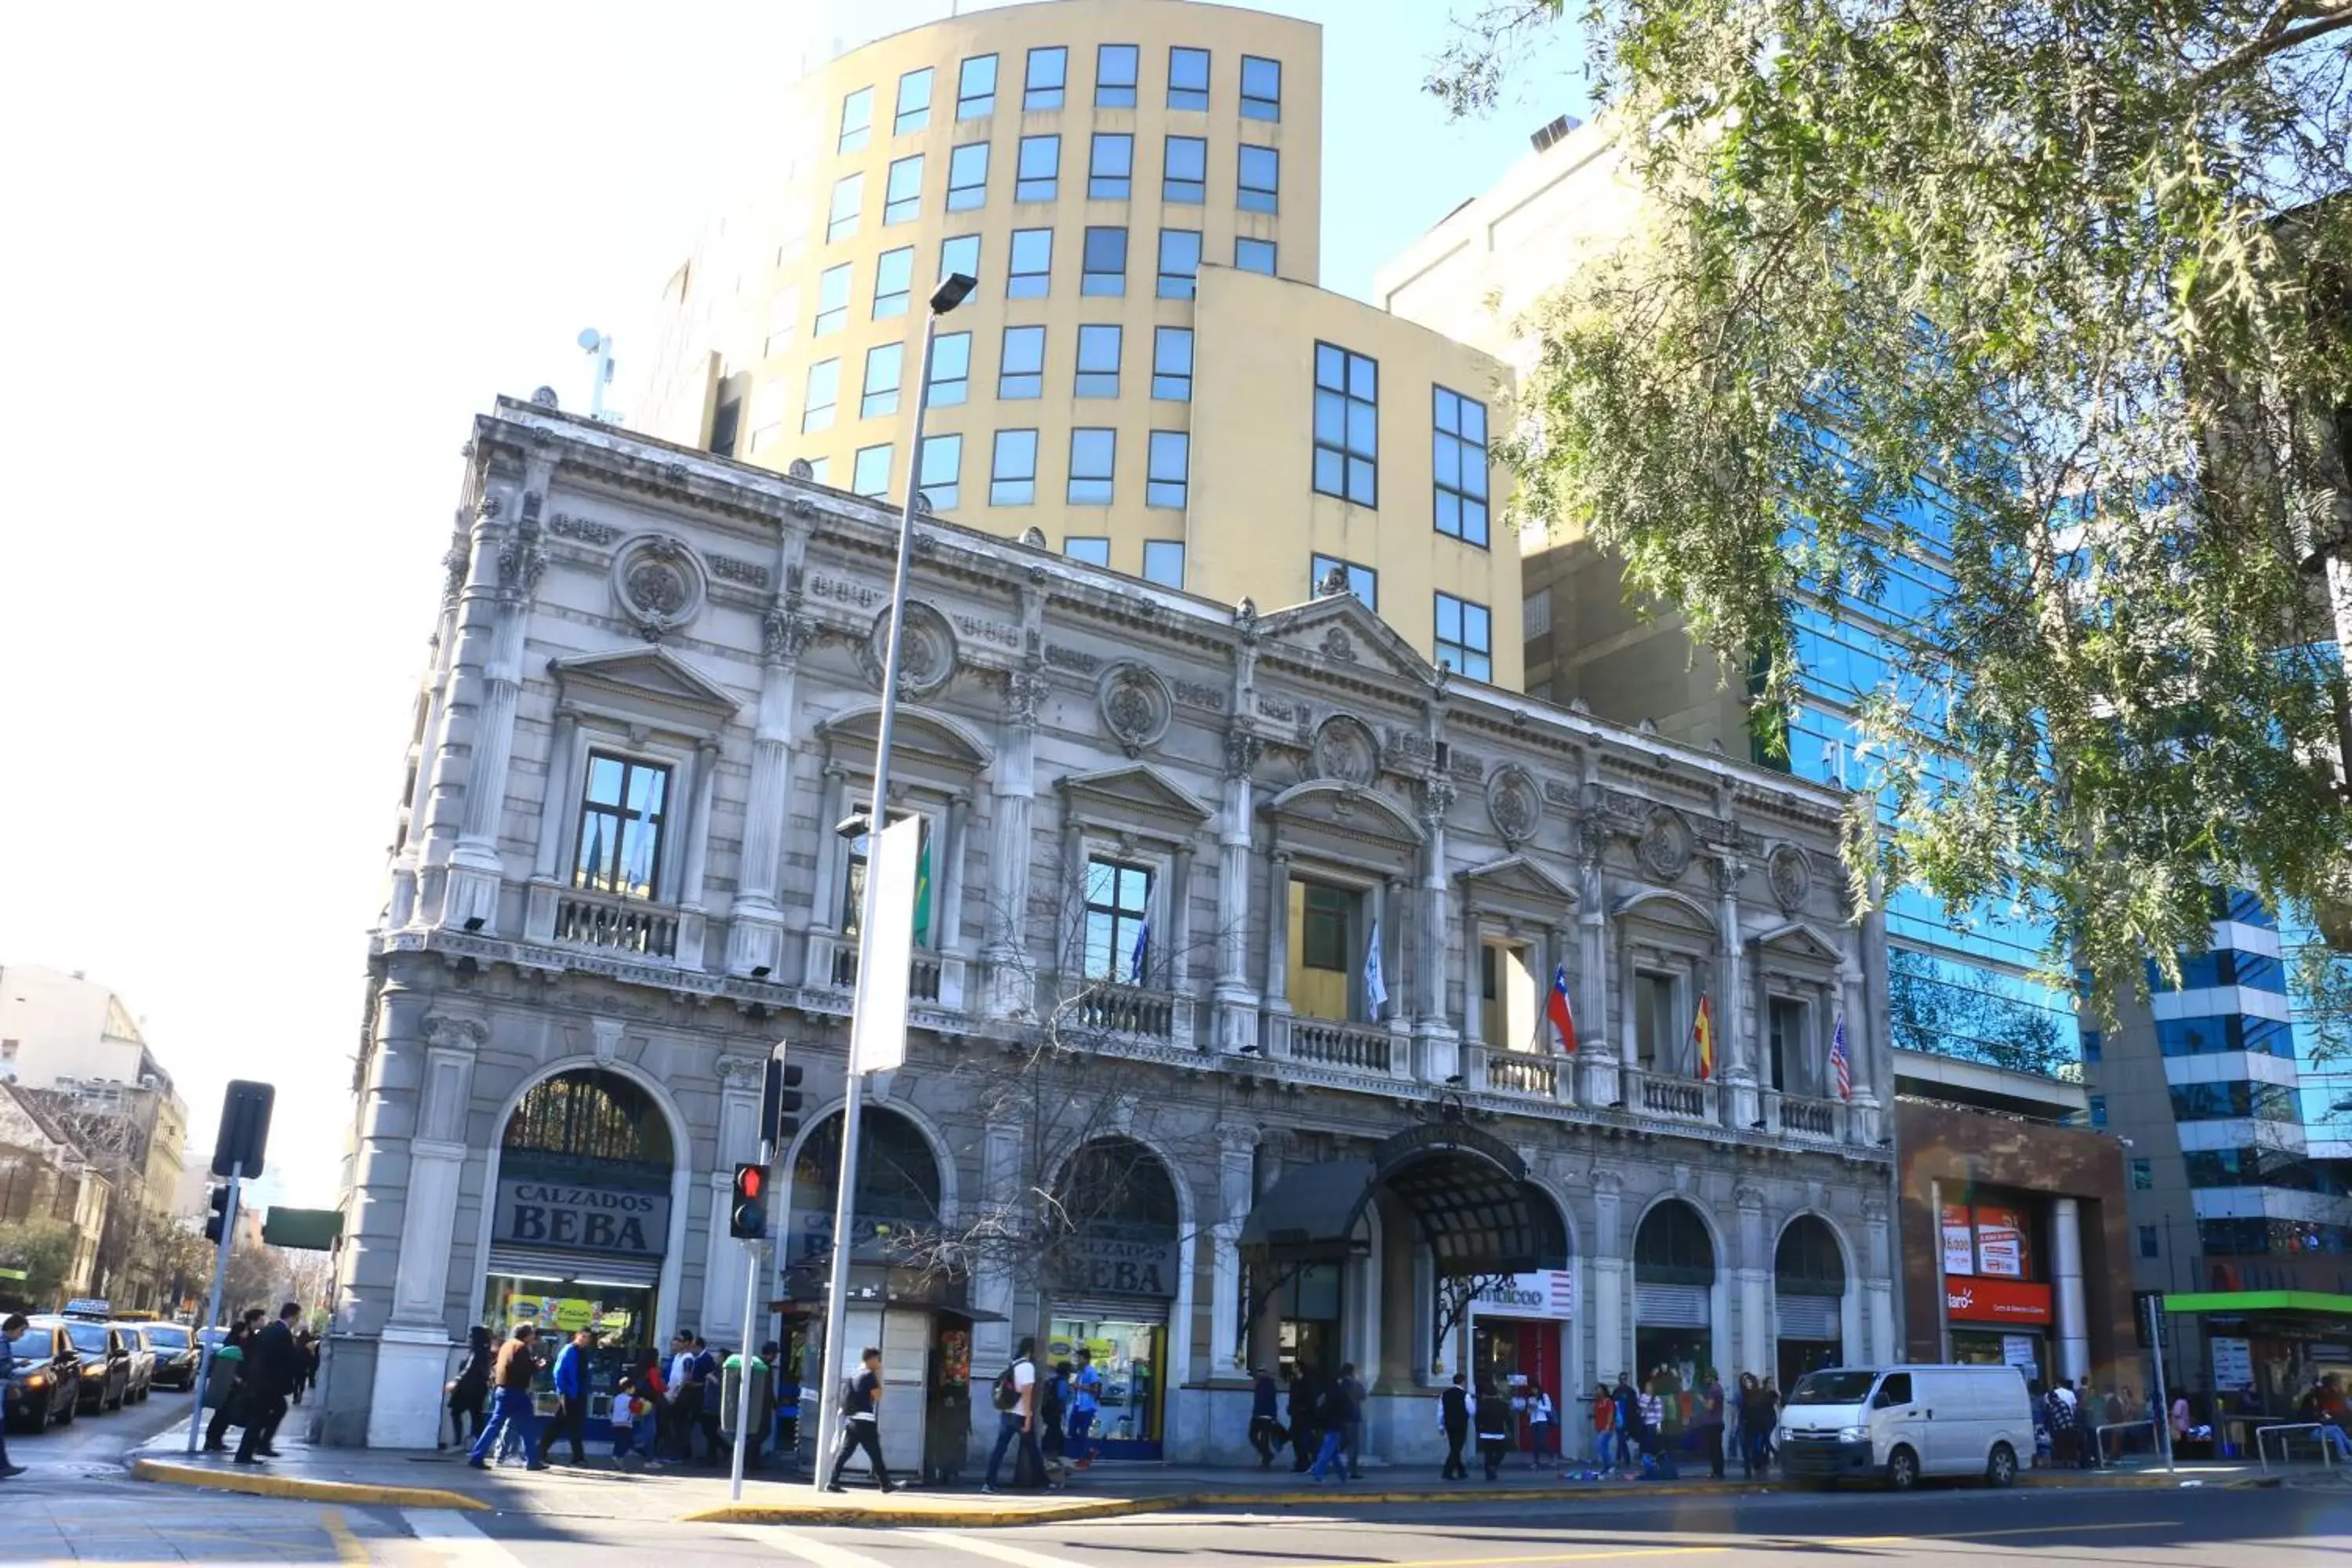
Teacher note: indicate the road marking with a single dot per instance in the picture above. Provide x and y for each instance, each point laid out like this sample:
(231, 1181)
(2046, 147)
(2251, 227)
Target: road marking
(1610, 1556)
(1020, 1557)
(456, 1537)
(1008, 1554)
(792, 1542)
(347, 1546)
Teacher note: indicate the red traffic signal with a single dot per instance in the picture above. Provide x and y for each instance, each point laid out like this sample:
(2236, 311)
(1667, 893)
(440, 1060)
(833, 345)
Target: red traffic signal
(747, 1215)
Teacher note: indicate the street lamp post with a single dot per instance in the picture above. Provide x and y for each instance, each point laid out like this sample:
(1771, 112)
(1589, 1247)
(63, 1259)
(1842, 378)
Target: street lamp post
(951, 294)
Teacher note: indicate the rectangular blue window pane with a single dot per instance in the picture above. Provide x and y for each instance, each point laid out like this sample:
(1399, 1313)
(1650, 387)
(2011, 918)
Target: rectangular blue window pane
(1115, 66)
(1254, 256)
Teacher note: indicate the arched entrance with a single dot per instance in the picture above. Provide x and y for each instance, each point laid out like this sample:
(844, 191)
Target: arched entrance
(1674, 1296)
(1116, 1268)
(1808, 1290)
(899, 1190)
(581, 1217)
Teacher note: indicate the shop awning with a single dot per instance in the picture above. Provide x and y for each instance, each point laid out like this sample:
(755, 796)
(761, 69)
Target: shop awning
(1468, 1192)
(2319, 1302)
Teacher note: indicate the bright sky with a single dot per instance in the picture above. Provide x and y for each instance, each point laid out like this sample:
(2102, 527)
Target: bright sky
(264, 261)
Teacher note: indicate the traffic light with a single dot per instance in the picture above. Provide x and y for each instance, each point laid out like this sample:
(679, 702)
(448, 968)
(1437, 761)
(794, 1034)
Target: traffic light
(219, 1220)
(779, 1102)
(747, 1216)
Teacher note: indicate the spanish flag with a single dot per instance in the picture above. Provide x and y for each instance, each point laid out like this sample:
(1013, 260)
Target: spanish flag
(1703, 1039)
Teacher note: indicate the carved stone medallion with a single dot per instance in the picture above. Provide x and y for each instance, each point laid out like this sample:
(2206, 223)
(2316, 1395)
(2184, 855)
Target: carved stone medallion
(1136, 705)
(1338, 646)
(659, 584)
(1664, 845)
(1513, 804)
(1792, 876)
(1345, 750)
(927, 654)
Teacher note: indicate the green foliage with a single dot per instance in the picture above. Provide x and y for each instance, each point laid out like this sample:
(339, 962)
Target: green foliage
(44, 1249)
(2069, 272)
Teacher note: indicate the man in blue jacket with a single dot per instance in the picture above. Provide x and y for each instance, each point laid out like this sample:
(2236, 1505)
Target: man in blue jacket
(572, 1379)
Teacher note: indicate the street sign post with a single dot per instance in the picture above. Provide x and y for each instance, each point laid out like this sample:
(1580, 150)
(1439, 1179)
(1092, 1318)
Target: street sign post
(220, 1271)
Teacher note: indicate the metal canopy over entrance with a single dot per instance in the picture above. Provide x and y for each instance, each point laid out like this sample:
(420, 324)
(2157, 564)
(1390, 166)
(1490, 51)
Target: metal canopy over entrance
(1468, 1191)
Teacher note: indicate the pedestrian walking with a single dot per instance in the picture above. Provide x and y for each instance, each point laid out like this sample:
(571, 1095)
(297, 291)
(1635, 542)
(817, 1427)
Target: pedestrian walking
(1053, 1417)
(1492, 1421)
(1543, 1423)
(1266, 1417)
(269, 1381)
(1086, 1404)
(224, 1386)
(1604, 1426)
(1305, 1441)
(573, 1379)
(469, 1396)
(1759, 1416)
(1350, 1410)
(1453, 1420)
(683, 1408)
(1711, 1422)
(705, 1375)
(1015, 1398)
(1331, 1423)
(627, 1408)
(862, 1405)
(1628, 1402)
(15, 1324)
(511, 1405)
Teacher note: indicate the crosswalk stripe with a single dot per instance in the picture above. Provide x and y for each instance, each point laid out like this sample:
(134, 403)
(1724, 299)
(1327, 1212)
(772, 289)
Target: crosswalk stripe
(795, 1543)
(457, 1539)
(978, 1546)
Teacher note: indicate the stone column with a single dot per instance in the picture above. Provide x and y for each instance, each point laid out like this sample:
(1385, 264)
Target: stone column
(1738, 1045)
(725, 1260)
(471, 895)
(2066, 1276)
(1232, 1000)
(947, 910)
(1613, 1348)
(1757, 1332)
(992, 1279)
(471, 652)
(1474, 1001)
(1869, 1040)
(755, 924)
(1438, 1044)
(405, 865)
(1862, 1045)
(419, 1106)
(1228, 1335)
(1277, 932)
(696, 860)
(1602, 1084)
(1173, 962)
(1878, 1282)
(1012, 788)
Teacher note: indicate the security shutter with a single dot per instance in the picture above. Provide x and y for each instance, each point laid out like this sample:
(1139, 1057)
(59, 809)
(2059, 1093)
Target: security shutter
(1671, 1306)
(551, 1263)
(1809, 1317)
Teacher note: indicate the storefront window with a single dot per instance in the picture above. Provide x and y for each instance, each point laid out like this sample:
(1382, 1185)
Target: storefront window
(1310, 1331)
(1129, 1356)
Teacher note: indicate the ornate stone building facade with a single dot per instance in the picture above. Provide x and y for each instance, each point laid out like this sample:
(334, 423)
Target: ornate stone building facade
(1229, 1043)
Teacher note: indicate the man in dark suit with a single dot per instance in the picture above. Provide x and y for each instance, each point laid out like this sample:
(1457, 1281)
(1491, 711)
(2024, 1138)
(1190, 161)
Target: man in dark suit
(270, 1360)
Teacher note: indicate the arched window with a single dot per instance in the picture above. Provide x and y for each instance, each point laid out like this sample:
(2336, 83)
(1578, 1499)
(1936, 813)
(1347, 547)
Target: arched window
(588, 1122)
(1115, 1186)
(1672, 1246)
(1808, 1261)
(898, 1175)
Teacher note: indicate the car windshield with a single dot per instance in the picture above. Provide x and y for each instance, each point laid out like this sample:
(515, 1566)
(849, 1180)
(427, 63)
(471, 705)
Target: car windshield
(1833, 1388)
(173, 1339)
(88, 1337)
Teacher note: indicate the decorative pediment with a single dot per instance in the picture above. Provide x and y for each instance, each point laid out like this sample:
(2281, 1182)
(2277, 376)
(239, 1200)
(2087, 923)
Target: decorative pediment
(1798, 940)
(1662, 906)
(919, 734)
(1350, 809)
(1337, 633)
(1522, 886)
(1130, 796)
(649, 686)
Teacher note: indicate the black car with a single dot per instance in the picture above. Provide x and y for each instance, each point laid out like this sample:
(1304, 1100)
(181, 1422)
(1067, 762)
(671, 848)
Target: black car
(105, 1361)
(46, 1379)
(174, 1345)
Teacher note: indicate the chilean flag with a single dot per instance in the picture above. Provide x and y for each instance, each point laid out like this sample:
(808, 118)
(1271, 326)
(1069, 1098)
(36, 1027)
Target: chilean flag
(1556, 1007)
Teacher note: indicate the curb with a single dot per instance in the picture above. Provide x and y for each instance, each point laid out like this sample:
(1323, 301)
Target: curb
(936, 1519)
(358, 1494)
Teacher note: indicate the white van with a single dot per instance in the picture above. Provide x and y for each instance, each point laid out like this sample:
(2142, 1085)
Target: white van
(1904, 1422)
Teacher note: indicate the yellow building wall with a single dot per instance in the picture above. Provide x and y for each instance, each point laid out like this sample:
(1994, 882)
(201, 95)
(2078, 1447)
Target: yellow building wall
(1256, 519)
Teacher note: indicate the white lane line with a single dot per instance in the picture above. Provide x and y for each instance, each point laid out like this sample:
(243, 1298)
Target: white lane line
(456, 1539)
(980, 1546)
(792, 1541)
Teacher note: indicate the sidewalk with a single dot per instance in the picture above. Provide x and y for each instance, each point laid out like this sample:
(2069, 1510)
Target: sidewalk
(362, 1478)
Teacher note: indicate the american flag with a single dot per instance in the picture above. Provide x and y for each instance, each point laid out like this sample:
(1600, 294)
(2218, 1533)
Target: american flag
(1841, 1069)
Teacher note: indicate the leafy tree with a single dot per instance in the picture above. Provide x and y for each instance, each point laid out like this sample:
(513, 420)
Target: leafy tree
(44, 1249)
(1929, 1011)
(2064, 291)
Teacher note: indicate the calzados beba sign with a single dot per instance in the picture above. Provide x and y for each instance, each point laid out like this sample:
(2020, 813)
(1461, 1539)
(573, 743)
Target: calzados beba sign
(584, 1219)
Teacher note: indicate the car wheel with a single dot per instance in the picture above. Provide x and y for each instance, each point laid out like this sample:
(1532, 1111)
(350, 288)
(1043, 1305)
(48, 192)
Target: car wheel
(1902, 1469)
(2001, 1469)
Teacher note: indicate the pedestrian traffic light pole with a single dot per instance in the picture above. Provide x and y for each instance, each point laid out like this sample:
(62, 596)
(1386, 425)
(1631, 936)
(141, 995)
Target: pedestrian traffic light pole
(750, 1309)
(211, 1307)
(951, 294)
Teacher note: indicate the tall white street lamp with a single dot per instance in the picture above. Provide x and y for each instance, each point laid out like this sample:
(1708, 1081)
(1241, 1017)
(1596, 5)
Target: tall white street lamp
(951, 294)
